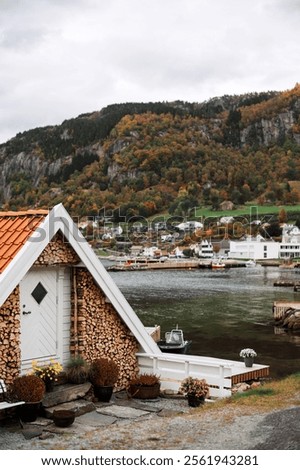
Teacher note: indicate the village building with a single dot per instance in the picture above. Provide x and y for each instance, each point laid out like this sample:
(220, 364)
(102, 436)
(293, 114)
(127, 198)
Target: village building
(259, 248)
(204, 249)
(136, 250)
(290, 244)
(254, 248)
(226, 206)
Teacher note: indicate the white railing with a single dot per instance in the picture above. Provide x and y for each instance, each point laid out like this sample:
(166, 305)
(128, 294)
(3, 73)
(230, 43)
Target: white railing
(173, 368)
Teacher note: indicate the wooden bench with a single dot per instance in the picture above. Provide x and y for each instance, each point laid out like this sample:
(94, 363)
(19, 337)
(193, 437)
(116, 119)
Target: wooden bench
(4, 405)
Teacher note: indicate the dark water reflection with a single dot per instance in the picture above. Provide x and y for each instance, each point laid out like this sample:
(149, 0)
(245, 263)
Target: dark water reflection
(222, 312)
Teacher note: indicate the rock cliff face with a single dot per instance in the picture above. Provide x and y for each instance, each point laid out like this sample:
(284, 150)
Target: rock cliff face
(29, 166)
(271, 131)
(114, 170)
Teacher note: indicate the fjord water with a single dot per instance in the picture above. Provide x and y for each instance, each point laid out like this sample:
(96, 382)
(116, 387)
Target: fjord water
(221, 311)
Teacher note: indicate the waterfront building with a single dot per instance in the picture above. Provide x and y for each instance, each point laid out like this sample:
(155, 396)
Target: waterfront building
(254, 248)
(290, 245)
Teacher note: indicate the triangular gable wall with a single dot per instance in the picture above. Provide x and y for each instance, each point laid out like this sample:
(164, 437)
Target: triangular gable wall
(59, 219)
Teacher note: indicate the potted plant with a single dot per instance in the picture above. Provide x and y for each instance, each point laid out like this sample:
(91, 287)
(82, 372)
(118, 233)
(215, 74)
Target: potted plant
(196, 390)
(31, 389)
(103, 375)
(248, 355)
(77, 370)
(47, 372)
(144, 386)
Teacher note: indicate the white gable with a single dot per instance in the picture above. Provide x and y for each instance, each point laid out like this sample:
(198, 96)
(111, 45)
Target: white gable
(59, 219)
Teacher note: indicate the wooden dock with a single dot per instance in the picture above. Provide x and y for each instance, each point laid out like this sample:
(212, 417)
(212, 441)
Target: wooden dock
(280, 307)
(287, 283)
(146, 266)
(143, 265)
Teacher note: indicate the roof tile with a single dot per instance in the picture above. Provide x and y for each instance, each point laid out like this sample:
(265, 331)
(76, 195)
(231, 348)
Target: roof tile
(15, 229)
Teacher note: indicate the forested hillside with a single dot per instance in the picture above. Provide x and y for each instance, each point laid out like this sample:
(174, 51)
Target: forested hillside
(145, 158)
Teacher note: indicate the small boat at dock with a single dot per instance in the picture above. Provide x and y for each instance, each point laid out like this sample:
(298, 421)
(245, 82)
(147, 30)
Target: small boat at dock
(250, 264)
(174, 342)
(218, 264)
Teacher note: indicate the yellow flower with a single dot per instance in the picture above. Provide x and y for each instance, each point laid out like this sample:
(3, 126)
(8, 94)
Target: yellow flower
(47, 371)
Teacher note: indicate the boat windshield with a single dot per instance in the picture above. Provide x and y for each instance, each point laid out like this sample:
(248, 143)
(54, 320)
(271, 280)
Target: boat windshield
(174, 336)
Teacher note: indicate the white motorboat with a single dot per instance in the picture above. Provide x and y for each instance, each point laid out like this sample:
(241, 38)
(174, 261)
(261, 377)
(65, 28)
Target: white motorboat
(250, 264)
(174, 342)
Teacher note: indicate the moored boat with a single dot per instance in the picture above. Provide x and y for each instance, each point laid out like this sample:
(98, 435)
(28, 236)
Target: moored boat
(218, 264)
(250, 264)
(174, 342)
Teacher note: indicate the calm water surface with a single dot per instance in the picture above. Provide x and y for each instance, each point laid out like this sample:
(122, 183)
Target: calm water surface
(222, 312)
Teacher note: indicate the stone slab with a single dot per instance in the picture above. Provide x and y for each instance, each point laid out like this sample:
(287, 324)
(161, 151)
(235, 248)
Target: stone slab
(95, 419)
(79, 406)
(84, 423)
(74, 429)
(139, 405)
(40, 421)
(124, 412)
(32, 432)
(65, 393)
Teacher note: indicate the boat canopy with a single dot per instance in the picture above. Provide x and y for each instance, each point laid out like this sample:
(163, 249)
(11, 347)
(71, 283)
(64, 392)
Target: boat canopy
(174, 336)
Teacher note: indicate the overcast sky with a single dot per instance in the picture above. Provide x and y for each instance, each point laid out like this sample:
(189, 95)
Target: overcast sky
(61, 58)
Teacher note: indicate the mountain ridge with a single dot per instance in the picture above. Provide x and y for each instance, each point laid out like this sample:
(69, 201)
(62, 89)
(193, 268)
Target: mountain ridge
(137, 156)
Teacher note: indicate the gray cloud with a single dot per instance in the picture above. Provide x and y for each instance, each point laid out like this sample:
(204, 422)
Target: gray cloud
(60, 58)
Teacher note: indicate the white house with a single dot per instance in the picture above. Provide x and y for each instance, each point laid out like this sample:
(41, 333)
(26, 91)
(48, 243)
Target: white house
(254, 248)
(227, 220)
(290, 234)
(204, 249)
(189, 225)
(290, 245)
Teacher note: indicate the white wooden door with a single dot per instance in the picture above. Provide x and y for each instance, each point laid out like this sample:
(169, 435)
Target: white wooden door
(39, 315)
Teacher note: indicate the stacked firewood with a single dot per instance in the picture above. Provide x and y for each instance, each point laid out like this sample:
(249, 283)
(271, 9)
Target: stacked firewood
(10, 337)
(58, 251)
(100, 331)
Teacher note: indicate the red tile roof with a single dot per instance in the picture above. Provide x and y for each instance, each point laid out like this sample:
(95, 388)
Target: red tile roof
(15, 229)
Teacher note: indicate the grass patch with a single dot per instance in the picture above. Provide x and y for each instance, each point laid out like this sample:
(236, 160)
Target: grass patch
(102, 252)
(260, 392)
(254, 210)
(295, 376)
(270, 396)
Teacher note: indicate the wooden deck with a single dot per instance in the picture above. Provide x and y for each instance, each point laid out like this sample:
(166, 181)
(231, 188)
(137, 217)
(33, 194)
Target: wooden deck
(221, 374)
(240, 373)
